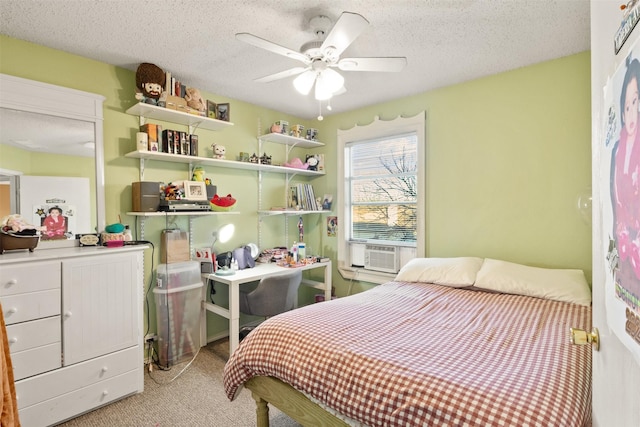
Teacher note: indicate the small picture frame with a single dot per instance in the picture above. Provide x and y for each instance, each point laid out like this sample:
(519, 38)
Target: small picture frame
(211, 109)
(327, 202)
(195, 190)
(222, 112)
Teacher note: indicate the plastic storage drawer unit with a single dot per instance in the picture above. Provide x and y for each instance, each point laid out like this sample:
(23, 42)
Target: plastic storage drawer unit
(178, 311)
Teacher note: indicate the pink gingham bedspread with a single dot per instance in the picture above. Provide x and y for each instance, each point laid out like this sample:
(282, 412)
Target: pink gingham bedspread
(415, 354)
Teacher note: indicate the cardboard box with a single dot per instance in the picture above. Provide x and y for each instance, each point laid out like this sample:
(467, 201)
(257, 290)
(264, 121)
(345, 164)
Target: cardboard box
(176, 103)
(174, 246)
(155, 134)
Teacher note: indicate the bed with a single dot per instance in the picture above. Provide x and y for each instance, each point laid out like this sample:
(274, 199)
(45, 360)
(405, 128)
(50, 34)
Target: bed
(449, 342)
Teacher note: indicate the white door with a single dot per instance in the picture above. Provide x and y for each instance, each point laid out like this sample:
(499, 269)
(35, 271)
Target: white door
(616, 370)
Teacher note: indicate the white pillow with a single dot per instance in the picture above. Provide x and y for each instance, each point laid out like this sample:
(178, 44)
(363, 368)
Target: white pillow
(556, 284)
(454, 272)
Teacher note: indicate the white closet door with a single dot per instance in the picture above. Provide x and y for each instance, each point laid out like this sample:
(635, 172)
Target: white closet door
(100, 305)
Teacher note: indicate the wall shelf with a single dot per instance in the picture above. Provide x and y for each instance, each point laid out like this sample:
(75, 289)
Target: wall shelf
(221, 163)
(289, 212)
(168, 115)
(292, 141)
(181, 213)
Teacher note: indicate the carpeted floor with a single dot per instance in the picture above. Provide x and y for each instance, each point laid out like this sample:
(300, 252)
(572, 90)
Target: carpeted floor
(196, 398)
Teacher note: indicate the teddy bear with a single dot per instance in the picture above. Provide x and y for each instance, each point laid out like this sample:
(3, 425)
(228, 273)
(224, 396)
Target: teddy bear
(194, 99)
(218, 151)
(150, 80)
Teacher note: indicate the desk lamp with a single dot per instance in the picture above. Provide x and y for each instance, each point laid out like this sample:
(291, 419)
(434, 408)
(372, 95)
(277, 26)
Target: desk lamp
(223, 234)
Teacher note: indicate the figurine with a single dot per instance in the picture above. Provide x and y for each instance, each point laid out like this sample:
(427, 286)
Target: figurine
(218, 151)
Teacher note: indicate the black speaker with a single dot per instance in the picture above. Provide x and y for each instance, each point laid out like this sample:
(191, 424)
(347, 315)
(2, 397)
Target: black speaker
(145, 196)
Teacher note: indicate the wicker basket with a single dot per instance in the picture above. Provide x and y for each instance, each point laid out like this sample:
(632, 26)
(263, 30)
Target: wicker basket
(10, 242)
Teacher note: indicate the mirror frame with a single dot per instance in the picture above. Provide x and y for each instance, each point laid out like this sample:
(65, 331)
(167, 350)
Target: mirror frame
(21, 94)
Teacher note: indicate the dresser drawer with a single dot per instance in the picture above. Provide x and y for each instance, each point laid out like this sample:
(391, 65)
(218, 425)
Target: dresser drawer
(32, 277)
(31, 306)
(33, 390)
(28, 335)
(35, 361)
(70, 405)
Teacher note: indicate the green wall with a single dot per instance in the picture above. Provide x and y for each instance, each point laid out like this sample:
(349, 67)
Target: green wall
(507, 157)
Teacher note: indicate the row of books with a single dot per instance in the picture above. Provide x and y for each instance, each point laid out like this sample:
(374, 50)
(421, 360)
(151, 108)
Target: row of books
(301, 196)
(173, 86)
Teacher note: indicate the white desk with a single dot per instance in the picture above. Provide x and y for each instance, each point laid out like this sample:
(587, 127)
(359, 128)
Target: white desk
(245, 276)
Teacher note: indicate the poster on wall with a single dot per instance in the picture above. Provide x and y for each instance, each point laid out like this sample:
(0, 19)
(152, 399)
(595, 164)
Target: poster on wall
(57, 220)
(620, 192)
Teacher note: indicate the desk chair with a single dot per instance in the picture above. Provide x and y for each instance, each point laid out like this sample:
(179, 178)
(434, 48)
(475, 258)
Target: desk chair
(274, 295)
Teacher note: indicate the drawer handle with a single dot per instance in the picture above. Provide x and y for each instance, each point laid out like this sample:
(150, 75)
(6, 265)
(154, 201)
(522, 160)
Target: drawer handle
(105, 393)
(12, 310)
(68, 314)
(12, 282)
(104, 369)
(13, 340)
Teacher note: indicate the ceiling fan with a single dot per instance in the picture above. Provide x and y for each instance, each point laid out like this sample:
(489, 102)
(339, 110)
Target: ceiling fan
(321, 56)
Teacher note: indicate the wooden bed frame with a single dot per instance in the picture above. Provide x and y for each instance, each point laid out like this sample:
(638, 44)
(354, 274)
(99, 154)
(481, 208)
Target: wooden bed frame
(288, 400)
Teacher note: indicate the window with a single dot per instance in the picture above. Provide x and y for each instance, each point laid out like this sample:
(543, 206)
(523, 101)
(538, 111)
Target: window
(381, 191)
(381, 194)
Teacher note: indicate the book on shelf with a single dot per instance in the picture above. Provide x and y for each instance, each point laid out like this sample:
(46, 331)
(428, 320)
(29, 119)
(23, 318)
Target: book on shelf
(301, 196)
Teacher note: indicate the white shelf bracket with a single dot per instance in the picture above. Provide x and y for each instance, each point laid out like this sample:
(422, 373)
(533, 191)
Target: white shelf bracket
(191, 250)
(141, 169)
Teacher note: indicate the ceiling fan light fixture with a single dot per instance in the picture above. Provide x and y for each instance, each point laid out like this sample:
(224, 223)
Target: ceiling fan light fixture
(304, 82)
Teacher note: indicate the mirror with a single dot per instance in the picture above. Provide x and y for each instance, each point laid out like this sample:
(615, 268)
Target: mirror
(51, 158)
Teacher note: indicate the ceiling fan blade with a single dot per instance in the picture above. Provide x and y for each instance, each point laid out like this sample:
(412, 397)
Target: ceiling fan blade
(348, 27)
(273, 47)
(281, 75)
(387, 64)
(304, 82)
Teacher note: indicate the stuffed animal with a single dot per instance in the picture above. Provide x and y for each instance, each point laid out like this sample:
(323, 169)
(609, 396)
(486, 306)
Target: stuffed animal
(198, 174)
(222, 204)
(218, 151)
(312, 162)
(150, 80)
(195, 100)
(295, 163)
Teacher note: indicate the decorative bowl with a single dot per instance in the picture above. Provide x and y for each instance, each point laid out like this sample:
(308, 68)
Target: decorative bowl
(10, 242)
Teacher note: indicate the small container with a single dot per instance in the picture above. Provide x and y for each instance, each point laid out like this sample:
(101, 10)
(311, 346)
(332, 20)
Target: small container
(127, 234)
(142, 140)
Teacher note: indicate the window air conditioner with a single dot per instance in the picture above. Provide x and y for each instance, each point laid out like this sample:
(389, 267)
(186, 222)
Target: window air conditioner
(381, 258)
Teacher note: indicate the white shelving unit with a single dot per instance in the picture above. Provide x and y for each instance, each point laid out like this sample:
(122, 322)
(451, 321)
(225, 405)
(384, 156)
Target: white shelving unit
(290, 142)
(146, 111)
(193, 122)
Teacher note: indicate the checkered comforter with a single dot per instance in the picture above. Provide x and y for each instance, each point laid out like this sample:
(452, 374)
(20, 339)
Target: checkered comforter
(415, 354)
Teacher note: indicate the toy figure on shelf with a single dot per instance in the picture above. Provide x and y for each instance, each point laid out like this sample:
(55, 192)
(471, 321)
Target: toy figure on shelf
(218, 151)
(198, 174)
(150, 80)
(300, 230)
(312, 162)
(265, 160)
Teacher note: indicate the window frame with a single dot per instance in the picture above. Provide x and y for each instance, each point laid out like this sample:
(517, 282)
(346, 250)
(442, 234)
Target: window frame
(374, 131)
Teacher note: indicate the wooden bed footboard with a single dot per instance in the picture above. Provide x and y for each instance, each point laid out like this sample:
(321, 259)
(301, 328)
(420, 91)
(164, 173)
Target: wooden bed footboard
(288, 400)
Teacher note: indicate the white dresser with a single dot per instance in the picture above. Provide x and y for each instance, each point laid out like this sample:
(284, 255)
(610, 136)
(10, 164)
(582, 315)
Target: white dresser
(74, 326)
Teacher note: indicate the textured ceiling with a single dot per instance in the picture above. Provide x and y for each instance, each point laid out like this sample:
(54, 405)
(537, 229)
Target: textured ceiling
(445, 41)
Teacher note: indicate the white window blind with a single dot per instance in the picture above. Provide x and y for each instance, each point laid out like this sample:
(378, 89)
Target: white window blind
(382, 187)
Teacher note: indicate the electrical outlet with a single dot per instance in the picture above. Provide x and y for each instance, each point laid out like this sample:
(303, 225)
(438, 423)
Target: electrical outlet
(150, 338)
